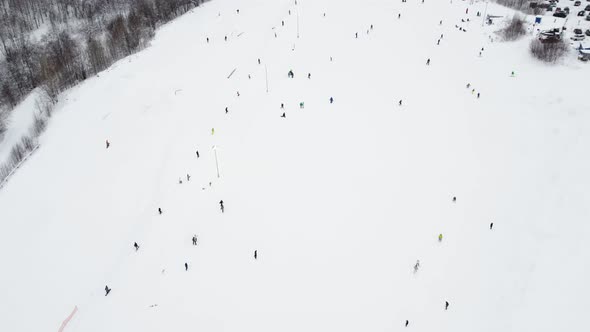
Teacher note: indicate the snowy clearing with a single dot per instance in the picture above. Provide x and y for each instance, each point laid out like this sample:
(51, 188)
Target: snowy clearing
(339, 200)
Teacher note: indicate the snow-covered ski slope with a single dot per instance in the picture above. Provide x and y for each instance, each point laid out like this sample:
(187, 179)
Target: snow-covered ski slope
(339, 200)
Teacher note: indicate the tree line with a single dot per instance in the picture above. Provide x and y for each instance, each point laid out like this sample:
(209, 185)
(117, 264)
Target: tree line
(82, 38)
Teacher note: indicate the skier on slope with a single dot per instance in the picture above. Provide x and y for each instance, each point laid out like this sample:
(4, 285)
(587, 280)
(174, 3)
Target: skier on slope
(407, 322)
(108, 143)
(428, 62)
(160, 210)
(186, 266)
(400, 102)
(197, 153)
(107, 290)
(331, 100)
(416, 266)
(446, 305)
(284, 115)
(195, 240)
(491, 226)
(440, 237)
(222, 207)
(255, 254)
(136, 246)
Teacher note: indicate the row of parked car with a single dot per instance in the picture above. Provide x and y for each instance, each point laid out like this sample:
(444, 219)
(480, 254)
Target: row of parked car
(579, 35)
(551, 6)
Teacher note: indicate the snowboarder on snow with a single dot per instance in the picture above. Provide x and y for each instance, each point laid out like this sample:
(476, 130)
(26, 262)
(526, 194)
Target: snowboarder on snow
(221, 205)
(290, 74)
(107, 290)
(195, 240)
(301, 105)
(284, 115)
(454, 199)
(440, 237)
(136, 246)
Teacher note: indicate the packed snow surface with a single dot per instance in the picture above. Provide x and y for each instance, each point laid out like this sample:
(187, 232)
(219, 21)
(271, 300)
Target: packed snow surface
(338, 199)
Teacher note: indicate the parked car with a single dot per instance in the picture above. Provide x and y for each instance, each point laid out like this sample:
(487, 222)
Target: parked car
(577, 3)
(582, 13)
(577, 31)
(578, 37)
(560, 14)
(588, 32)
(587, 7)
